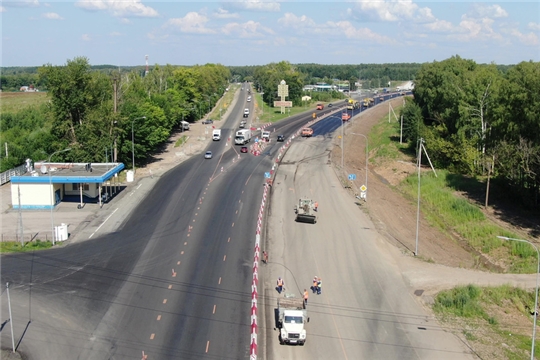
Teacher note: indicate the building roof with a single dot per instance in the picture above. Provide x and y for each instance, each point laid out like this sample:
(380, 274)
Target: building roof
(69, 173)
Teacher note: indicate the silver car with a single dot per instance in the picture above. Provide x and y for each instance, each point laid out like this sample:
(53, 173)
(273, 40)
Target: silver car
(208, 155)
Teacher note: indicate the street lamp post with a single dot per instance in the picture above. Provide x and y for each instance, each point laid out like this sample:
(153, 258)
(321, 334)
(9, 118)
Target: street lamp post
(367, 151)
(52, 192)
(535, 309)
(133, 143)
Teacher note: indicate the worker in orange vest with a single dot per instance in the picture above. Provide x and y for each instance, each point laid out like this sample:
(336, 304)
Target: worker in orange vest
(306, 296)
(315, 284)
(280, 285)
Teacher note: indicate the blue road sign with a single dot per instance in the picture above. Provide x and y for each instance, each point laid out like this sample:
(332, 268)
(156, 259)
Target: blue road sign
(352, 177)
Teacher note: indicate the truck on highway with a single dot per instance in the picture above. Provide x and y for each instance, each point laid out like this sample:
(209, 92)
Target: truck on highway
(307, 132)
(265, 135)
(291, 320)
(345, 116)
(242, 137)
(216, 134)
(353, 104)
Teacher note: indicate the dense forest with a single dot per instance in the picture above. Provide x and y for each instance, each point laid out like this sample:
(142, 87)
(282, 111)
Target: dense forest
(474, 119)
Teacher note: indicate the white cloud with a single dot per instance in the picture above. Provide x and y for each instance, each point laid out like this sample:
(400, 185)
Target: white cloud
(392, 10)
(441, 26)
(492, 11)
(2, 9)
(476, 29)
(86, 37)
(124, 8)
(52, 16)
(533, 26)
(254, 5)
(224, 14)
(116, 34)
(297, 22)
(247, 29)
(191, 23)
(527, 39)
(359, 34)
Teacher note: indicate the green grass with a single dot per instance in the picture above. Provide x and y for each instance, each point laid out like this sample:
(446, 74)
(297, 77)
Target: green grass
(13, 102)
(181, 141)
(15, 246)
(223, 103)
(481, 306)
(447, 211)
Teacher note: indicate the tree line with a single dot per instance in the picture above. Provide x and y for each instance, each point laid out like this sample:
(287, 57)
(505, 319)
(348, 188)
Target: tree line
(476, 119)
(95, 113)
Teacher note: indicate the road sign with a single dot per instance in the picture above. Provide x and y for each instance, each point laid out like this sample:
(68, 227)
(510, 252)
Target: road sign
(283, 103)
(267, 175)
(352, 177)
(363, 188)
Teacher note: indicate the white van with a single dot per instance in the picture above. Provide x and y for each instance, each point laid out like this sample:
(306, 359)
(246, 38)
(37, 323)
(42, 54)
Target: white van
(246, 112)
(249, 98)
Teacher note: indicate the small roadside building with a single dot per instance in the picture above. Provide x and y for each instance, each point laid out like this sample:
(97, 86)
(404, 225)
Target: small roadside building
(45, 185)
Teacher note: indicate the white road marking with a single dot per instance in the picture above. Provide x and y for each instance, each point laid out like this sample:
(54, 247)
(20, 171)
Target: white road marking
(99, 227)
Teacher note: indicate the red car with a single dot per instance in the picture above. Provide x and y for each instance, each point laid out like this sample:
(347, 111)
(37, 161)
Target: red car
(244, 149)
(320, 106)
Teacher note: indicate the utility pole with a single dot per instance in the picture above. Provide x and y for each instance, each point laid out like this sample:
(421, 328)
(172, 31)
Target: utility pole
(114, 110)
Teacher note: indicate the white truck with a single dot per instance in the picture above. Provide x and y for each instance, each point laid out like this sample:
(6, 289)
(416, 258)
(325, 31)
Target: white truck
(246, 112)
(216, 134)
(184, 125)
(242, 137)
(265, 135)
(291, 320)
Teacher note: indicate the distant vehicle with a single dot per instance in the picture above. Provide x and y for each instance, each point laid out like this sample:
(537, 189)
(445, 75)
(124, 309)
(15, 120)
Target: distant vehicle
(280, 138)
(330, 105)
(353, 104)
(208, 121)
(345, 116)
(242, 124)
(244, 149)
(242, 137)
(216, 134)
(246, 113)
(249, 98)
(265, 135)
(184, 125)
(208, 155)
(307, 132)
(320, 106)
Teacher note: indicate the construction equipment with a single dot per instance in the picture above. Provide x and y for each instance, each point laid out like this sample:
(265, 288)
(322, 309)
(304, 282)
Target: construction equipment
(305, 211)
(291, 320)
(353, 104)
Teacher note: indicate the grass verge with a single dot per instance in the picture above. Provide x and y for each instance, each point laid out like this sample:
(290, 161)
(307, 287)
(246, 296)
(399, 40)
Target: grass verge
(15, 246)
(181, 141)
(490, 316)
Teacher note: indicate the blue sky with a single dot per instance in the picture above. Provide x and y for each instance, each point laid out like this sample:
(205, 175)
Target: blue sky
(257, 32)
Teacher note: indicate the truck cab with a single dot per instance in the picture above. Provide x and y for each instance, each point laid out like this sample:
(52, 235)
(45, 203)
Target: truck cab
(265, 135)
(292, 320)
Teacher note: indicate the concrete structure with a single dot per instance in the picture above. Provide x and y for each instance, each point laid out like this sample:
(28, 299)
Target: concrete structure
(52, 182)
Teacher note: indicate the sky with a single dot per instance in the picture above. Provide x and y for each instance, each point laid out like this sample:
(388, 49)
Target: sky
(257, 32)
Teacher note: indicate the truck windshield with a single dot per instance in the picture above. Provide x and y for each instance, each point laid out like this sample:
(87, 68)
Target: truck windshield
(293, 319)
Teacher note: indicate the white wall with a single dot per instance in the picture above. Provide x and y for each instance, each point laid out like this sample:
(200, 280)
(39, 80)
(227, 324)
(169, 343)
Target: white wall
(32, 195)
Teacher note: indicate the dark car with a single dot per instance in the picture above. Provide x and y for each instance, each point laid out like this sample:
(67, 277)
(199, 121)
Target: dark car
(208, 121)
(280, 138)
(244, 149)
(330, 105)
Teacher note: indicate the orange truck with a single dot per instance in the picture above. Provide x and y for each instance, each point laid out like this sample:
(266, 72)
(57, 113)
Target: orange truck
(307, 132)
(345, 116)
(320, 106)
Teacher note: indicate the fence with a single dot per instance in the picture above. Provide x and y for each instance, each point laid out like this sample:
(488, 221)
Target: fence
(43, 236)
(6, 175)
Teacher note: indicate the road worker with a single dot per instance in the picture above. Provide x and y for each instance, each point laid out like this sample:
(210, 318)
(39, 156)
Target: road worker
(280, 285)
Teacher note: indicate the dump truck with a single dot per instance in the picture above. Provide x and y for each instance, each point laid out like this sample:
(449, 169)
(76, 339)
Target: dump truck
(305, 211)
(291, 320)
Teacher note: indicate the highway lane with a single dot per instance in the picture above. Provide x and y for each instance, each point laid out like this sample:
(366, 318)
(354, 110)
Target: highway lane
(116, 295)
(365, 310)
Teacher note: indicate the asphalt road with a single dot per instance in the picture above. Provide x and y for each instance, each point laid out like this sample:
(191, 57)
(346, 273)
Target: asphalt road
(365, 310)
(173, 280)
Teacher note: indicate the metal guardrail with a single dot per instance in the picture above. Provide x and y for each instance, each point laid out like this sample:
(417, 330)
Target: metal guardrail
(6, 175)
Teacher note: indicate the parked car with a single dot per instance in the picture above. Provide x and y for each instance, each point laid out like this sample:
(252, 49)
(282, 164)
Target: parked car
(244, 149)
(280, 138)
(208, 121)
(208, 155)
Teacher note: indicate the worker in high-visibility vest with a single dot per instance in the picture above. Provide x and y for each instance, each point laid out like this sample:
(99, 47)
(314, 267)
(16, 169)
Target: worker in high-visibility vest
(280, 285)
(306, 296)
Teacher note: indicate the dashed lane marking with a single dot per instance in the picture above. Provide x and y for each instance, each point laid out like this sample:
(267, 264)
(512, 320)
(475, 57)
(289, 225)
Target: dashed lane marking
(219, 281)
(207, 345)
(224, 257)
(214, 311)
(152, 336)
(103, 223)
(164, 301)
(158, 317)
